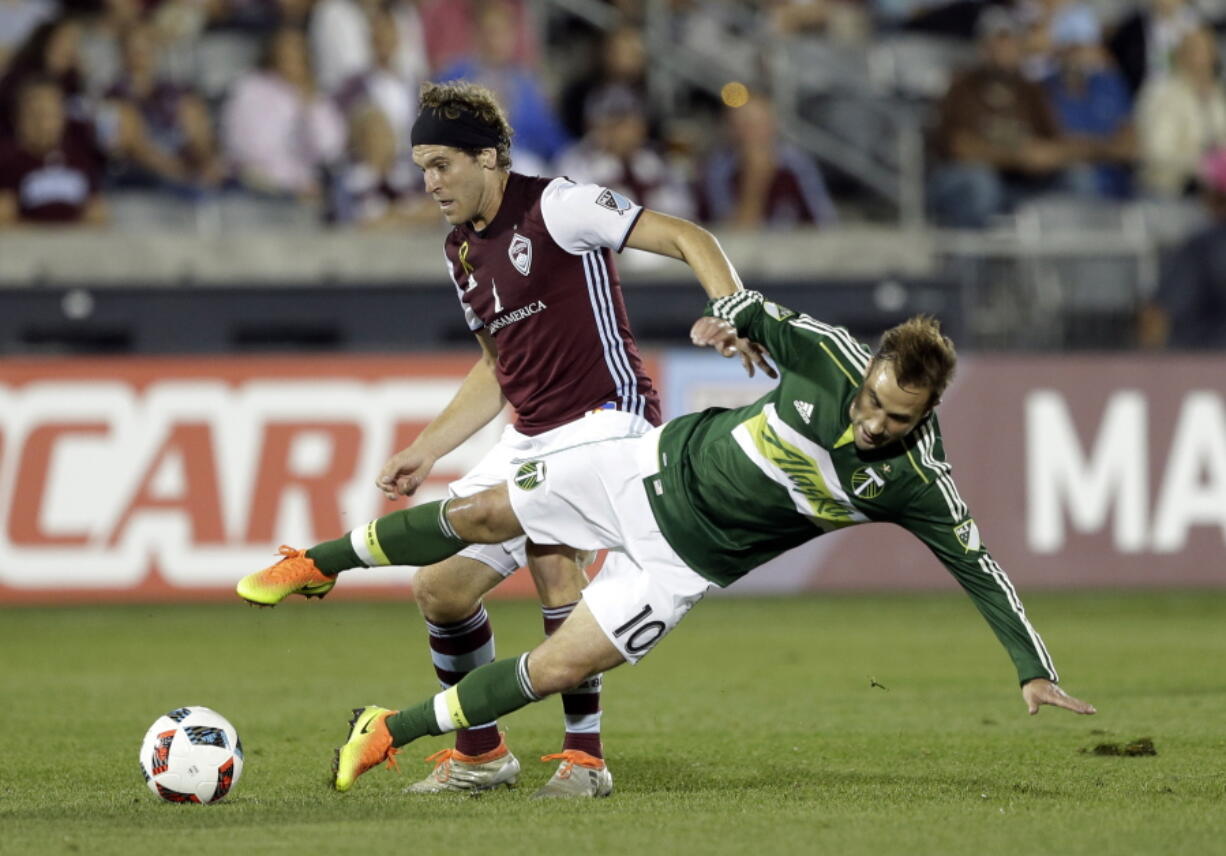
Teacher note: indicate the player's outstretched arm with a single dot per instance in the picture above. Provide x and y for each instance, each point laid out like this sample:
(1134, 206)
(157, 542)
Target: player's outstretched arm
(680, 239)
(1041, 691)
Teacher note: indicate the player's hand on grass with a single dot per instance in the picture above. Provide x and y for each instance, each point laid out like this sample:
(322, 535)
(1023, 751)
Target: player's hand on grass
(1041, 691)
(709, 332)
(404, 472)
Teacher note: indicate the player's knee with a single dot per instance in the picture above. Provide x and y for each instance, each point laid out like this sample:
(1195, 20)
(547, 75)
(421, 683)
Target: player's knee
(484, 518)
(440, 600)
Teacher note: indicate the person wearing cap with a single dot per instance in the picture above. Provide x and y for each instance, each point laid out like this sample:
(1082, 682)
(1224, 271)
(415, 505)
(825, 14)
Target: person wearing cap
(1188, 311)
(1091, 99)
(997, 138)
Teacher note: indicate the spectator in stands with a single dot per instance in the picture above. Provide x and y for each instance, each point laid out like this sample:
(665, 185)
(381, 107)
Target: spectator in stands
(384, 84)
(344, 38)
(51, 171)
(615, 153)
(451, 36)
(494, 65)
(1189, 309)
(18, 19)
(278, 129)
(760, 179)
(1181, 116)
(51, 51)
(1144, 43)
(175, 120)
(1091, 99)
(622, 63)
(375, 187)
(997, 138)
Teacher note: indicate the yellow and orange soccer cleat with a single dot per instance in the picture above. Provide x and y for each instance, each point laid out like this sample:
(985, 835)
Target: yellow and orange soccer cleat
(579, 775)
(369, 744)
(456, 772)
(295, 573)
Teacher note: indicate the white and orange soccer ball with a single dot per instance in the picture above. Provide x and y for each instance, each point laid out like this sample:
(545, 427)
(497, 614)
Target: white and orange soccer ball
(192, 754)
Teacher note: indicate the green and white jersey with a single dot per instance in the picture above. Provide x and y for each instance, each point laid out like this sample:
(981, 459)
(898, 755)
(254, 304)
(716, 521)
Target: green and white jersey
(738, 487)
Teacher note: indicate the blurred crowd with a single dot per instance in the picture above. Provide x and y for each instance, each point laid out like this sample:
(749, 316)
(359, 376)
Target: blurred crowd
(100, 97)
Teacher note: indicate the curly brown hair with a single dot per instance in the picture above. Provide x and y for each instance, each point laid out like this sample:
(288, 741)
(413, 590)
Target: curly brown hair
(923, 357)
(457, 95)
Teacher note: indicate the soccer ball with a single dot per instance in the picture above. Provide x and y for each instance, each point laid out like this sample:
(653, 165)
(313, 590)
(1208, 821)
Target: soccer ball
(192, 754)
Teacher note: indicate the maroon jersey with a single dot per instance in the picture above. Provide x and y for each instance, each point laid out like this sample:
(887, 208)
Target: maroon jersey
(540, 279)
(55, 187)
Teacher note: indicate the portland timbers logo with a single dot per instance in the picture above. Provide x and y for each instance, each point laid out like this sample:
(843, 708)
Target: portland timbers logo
(530, 474)
(866, 484)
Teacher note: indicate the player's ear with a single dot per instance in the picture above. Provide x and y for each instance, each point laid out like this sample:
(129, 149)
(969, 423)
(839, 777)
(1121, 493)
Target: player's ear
(489, 158)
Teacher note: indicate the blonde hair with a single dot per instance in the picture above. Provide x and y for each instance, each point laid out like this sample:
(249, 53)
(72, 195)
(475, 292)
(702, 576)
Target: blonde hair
(923, 357)
(460, 95)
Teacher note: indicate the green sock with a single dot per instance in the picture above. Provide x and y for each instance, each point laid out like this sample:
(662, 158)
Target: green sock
(418, 536)
(484, 695)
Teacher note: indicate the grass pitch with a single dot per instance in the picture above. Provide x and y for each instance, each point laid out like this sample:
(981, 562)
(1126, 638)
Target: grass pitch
(756, 728)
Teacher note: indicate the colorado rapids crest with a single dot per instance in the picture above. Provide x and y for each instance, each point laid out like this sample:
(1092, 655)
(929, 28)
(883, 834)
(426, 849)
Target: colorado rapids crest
(520, 253)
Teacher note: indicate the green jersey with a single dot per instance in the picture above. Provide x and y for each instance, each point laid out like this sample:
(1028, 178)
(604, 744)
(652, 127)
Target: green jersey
(738, 487)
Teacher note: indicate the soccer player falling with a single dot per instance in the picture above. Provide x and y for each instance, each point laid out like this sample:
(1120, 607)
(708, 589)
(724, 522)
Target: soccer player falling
(847, 436)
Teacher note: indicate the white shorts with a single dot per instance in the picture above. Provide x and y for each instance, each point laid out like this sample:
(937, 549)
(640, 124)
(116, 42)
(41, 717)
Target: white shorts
(496, 467)
(592, 497)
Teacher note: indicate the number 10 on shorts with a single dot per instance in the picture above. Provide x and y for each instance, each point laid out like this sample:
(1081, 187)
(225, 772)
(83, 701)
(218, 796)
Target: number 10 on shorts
(643, 633)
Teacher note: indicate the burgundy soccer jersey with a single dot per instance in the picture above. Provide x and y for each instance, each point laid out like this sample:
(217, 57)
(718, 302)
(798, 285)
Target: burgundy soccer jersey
(55, 187)
(540, 280)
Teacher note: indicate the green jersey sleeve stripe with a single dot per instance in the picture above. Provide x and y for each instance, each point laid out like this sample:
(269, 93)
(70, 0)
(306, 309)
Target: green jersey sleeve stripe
(997, 573)
(835, 360)
(942, 470)
(853, 352)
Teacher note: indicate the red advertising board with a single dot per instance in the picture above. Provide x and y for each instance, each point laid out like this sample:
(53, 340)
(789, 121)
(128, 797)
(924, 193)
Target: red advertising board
(171, 478)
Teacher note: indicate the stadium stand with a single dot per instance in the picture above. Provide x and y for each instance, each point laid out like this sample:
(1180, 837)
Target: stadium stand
(855, 89)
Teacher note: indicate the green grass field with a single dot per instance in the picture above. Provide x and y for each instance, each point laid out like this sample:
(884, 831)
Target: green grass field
(753, 729)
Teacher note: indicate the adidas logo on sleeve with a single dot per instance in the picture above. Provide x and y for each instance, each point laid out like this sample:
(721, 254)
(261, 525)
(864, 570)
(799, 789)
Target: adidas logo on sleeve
(805, 409)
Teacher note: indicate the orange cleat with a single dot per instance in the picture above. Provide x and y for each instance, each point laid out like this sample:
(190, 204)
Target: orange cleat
(369, 745)
(295, 573)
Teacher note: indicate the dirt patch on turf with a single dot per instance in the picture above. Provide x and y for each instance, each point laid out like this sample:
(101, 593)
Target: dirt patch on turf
(1140, 746)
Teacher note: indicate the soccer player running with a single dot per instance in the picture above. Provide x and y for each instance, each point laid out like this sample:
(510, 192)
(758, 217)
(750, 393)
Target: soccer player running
(532, 263)
(847, 436)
